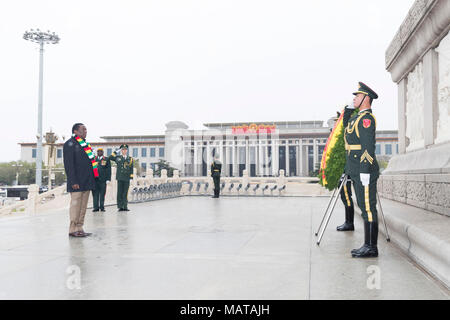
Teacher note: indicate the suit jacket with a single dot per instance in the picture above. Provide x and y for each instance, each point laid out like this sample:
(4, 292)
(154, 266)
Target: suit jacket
(78, 167)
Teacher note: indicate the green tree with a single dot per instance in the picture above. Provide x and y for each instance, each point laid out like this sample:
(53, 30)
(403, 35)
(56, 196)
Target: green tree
(163, 164)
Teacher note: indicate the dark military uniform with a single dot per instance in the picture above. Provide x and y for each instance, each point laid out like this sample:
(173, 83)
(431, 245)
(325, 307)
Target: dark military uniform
(104, 174)
(216, 169)
(359, 138)
(123, 176)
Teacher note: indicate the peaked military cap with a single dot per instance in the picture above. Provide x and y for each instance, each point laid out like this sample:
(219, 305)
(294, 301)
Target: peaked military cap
(124, 146)
(365, 89)
(99, 149)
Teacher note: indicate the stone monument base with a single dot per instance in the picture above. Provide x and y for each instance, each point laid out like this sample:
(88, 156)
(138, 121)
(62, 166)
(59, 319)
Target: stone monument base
(420, 179)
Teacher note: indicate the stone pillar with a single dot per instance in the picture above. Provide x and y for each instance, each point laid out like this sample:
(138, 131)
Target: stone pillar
(286, 156)
(275, 159)
(176, 176)
(245, 178)
(247, 156)
(315, 155)
(195, 162)
(33, 192)
(402, 85)
(149, 175)
(431, 109)
(164, 175)
(301, 172)
(282, 178)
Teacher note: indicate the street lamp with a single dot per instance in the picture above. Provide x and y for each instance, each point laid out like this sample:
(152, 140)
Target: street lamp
(38, 36)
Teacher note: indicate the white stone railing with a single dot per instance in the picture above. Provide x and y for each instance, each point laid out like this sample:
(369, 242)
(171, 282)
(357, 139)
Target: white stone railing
(36, 202)
(157, 188)
(150, 186)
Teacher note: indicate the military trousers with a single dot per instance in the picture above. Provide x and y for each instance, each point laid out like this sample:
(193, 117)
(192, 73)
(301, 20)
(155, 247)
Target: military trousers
(366, 197)
(98, 194)
(122, 194)
(216, 180)
(346, 194)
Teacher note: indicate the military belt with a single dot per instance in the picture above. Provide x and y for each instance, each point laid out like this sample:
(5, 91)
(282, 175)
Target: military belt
(349, 147)
(216, 170)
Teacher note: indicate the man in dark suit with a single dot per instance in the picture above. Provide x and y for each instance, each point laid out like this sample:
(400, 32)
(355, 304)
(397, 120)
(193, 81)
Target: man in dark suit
(81, 171)
(104, 176)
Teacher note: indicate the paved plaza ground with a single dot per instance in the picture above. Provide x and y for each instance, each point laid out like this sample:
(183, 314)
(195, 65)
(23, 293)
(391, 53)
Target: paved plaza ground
(202, 248)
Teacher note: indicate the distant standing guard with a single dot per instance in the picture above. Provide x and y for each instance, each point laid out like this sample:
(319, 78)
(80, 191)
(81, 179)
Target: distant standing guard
(362, 166)
(124, 173)
(104, 172)
(216, 169)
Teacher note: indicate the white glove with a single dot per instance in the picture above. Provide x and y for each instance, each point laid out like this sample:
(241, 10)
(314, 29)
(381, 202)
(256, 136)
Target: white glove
(108, 182)
(350, 105)
(365, 179)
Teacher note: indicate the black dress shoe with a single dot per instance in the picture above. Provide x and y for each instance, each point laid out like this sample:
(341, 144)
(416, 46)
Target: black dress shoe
(77, 234)
(126, 209)
(102, 210)
(95, 210)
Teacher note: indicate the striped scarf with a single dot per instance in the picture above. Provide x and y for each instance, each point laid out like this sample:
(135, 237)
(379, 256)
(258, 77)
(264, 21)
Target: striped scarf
(87, 148)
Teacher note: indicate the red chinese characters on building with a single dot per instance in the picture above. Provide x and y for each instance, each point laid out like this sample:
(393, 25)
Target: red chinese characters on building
(253, 128)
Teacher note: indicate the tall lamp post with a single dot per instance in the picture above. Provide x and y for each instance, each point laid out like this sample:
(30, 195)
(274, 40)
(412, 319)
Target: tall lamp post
(40, 37)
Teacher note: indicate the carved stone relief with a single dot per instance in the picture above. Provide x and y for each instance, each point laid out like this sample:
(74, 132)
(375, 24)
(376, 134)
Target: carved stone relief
(443, 123)
(415, 101)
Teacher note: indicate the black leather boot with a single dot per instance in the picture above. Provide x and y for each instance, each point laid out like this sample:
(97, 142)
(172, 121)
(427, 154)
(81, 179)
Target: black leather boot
(366, 238)
(370, 250)
(348, 225)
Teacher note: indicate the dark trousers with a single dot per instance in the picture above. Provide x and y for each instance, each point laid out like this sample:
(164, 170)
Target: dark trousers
(122, 194)
(346, 194)
(99, 194)
(366, 198)
(216, 185)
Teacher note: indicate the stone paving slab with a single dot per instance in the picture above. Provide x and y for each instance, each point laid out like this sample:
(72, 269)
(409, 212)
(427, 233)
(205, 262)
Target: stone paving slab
(202, 248)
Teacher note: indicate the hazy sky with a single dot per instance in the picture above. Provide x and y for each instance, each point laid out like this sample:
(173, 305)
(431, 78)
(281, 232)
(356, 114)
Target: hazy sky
(129, 67)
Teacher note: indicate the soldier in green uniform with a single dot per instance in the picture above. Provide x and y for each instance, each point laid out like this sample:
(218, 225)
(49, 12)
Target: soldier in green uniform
(124, 174)
(362, 166)
(104, 176)
(216, 169)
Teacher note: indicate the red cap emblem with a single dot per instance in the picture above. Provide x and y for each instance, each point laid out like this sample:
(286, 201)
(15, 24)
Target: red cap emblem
(367, 123)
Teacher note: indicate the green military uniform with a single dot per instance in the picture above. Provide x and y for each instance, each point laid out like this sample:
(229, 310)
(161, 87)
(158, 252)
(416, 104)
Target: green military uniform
(104, 174)
(216, 169)
(123, 176)
(361, 163)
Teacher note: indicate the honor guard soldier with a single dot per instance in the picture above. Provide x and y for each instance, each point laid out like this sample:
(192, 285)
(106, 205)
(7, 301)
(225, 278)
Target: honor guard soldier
(124, 174)
(104, 172)
(362, 166)
(216, 169)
